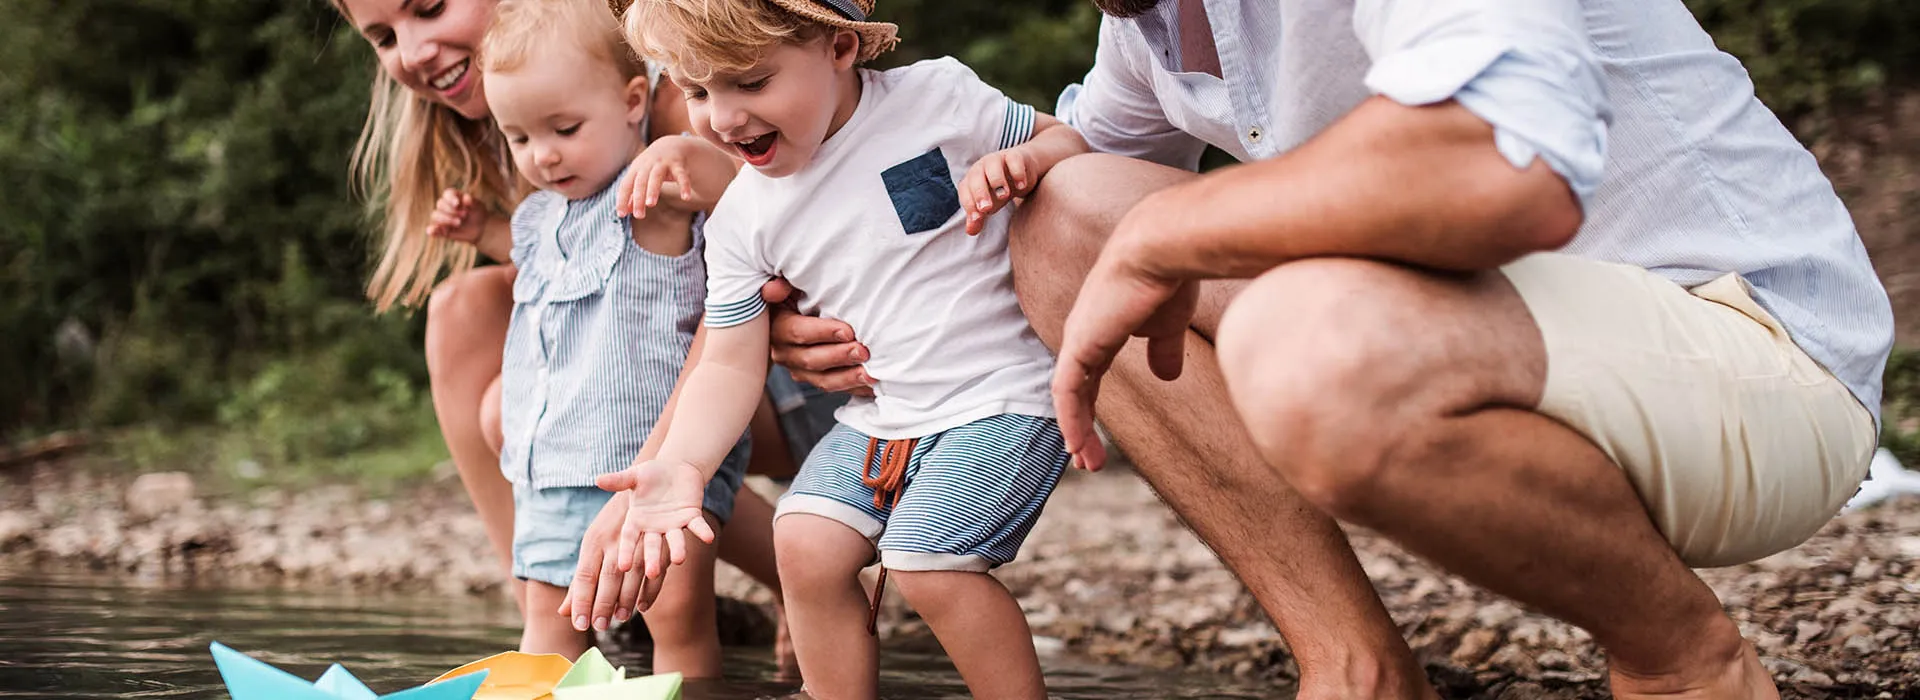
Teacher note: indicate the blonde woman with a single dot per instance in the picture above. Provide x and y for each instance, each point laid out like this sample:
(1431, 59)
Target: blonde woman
(429, 135)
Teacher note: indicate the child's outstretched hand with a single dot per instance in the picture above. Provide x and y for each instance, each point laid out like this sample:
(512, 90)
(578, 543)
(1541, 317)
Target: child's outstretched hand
(665, 161)
(455, 216)
(663, 507)
(994, 181)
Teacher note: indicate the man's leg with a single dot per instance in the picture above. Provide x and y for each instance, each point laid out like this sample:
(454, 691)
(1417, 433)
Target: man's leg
(1403, 401)
(1294, 559)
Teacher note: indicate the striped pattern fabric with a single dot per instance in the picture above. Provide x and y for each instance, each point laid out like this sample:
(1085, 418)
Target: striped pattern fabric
(599, 331)
(1018, 127)
(971, 494)
(734, 313)
(1695, 176)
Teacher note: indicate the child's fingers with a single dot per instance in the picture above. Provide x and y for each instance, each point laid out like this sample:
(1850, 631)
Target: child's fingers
(681, 178)
(656, 178)
(630, 537)
(702, 530)
(653, 551)
(1017, 174)
(618, 481)
(677, 546)
(623, 194)
(997, 181)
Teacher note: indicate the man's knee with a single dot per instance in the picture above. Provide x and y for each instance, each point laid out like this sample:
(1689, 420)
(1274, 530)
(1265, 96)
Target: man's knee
(1303, 359)
(1058, 232)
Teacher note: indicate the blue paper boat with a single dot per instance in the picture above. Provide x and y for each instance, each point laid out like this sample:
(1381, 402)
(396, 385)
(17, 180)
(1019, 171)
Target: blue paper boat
(248, 678)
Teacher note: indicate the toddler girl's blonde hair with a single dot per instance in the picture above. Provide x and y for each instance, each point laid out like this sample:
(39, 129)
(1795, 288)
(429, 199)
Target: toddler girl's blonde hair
(409, 150)
(699, 38)
(522, 27)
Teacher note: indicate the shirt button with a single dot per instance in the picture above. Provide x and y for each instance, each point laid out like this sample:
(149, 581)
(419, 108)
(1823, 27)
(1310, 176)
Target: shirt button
(1254, 134)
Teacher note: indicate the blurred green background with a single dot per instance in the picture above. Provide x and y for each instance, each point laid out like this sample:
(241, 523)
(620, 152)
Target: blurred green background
(183, 259)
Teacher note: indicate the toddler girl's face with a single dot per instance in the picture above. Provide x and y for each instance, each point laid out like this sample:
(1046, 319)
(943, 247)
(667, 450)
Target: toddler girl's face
(571, 120)
(776, 114)
(427, 45)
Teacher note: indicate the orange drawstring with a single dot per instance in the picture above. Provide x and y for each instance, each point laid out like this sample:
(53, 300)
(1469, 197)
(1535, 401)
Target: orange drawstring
(891, 479)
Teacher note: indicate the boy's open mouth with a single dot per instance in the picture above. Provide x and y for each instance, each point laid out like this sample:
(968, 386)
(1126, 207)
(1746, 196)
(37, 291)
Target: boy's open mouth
(758, 151)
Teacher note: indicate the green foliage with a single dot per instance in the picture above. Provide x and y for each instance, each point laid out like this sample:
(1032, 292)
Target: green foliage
(1807, 57)
(1900, 411)
(179, 250)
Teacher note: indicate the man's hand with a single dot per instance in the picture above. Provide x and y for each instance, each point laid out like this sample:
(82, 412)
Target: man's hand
(1120, 299)
(818, 351)
(598, 584)
(456, 217)
(663, 506)
(996, 180)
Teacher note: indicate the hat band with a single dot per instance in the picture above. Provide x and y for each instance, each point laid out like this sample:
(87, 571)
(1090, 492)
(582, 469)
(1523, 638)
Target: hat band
(846, 8)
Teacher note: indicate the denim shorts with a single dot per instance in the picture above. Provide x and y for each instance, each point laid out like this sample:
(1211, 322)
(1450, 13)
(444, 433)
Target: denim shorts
(548, 524)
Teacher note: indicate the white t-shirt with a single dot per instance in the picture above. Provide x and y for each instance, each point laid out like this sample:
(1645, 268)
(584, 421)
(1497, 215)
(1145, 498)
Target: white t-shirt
(872, 230)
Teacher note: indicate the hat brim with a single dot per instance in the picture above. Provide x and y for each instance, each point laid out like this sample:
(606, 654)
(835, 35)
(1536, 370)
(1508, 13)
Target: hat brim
(875, 37)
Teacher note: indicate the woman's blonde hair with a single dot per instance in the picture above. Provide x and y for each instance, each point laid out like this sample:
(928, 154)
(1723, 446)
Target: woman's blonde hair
(409, 151)
(702, 37)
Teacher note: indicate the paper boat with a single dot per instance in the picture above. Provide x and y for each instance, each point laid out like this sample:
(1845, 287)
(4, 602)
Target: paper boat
(248, 678)
(519, 676)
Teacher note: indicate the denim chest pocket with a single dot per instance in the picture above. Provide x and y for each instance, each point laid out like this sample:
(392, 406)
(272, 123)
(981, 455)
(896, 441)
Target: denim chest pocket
(922, 192)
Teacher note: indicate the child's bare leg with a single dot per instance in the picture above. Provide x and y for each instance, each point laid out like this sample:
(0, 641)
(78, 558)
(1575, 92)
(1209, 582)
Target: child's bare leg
(686, 637)
(545, 631)
(982, 629)
(820, 563)
(748, 546)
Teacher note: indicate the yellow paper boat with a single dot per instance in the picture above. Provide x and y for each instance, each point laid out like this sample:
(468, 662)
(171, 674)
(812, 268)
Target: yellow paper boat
(518, 676)
(514, 675)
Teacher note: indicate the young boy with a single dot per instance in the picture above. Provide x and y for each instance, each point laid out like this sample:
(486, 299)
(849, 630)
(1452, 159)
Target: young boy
(605, 308)
(852, 197)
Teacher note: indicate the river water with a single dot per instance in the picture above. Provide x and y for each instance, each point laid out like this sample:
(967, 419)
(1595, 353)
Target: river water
(66, 634)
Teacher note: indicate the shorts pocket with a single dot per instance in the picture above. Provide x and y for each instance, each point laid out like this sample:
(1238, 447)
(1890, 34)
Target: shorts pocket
(922, 192)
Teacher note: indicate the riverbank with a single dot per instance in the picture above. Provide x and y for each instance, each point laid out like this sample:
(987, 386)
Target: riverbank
(1836, 617)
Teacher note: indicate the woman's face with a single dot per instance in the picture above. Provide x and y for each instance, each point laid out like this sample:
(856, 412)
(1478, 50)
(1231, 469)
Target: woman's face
(428, 46)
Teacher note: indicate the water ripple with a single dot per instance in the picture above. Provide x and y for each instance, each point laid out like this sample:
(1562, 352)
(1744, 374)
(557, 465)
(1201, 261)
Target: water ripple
(88, 635)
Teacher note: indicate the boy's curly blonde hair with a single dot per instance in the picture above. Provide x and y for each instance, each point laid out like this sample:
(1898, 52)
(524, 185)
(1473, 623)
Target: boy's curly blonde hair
(700, 38)
(522, 27)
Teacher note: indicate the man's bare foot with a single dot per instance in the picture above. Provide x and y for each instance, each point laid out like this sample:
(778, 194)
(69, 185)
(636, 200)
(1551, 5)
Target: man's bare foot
(1738, 678)
(1367, 680)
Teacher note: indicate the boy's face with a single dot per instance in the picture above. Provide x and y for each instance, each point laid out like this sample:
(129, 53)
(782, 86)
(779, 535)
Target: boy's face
(571, 120)
(776, 114)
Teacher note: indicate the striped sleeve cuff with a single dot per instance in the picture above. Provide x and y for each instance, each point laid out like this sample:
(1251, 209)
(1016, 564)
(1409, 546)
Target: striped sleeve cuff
(1018, 127)
(734, 313)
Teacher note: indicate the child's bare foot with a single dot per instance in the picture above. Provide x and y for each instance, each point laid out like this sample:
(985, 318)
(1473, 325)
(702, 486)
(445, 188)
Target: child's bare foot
(1738, 678)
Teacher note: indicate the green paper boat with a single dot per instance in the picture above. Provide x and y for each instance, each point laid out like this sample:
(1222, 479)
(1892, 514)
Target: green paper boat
(592, 678)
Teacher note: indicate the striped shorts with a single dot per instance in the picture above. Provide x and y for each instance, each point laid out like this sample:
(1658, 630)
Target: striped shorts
(965, 498)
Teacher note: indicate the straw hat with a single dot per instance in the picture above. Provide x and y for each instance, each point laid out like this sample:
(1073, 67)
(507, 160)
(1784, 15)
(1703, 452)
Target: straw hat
(875, 37)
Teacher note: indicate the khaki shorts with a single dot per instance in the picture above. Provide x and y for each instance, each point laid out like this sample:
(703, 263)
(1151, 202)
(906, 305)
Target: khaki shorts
(1739, 443)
